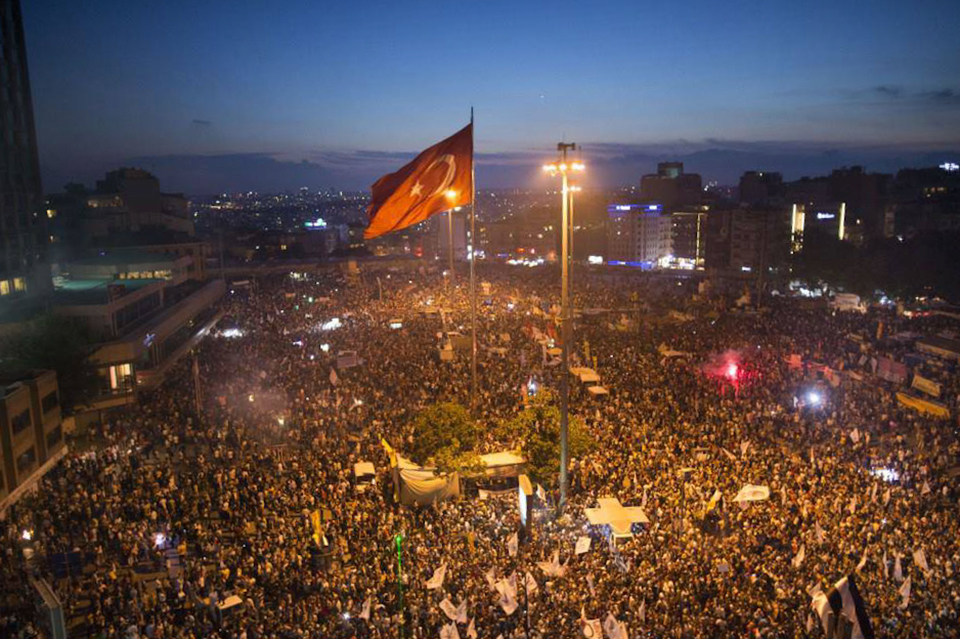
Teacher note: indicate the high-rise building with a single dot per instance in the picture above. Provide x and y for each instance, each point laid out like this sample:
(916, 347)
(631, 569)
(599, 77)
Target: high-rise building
(22, 216)
(640, 233)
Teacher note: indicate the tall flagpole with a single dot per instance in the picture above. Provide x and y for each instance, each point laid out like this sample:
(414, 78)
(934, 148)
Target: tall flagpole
(450, 240)
(473, 277)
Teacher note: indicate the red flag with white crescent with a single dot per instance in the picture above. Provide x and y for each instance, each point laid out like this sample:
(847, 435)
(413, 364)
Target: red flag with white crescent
(437, 180)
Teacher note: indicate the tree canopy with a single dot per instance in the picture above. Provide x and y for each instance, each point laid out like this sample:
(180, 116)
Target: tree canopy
(535, 431)
(445, 436)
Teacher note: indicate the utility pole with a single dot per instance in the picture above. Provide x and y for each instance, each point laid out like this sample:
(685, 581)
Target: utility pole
(563, 167)
(472, 255)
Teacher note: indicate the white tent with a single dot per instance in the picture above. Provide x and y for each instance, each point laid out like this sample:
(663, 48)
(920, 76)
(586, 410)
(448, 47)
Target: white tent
(618, 517)
(503, 464)
(421, 485)
(586, 375)
(364, 469)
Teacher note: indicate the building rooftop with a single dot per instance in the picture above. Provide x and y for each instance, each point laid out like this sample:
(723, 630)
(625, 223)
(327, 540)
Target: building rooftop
(94, 291)
(126, 256)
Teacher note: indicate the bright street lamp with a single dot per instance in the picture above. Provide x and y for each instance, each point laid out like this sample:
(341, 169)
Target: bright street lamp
(563, 167)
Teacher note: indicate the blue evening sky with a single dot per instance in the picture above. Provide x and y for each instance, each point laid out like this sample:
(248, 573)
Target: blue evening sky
(211, 93)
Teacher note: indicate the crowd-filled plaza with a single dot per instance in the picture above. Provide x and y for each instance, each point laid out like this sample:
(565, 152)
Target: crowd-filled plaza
(164, 522)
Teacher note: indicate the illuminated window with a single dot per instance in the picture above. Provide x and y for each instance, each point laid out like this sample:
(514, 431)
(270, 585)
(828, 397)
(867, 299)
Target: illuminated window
(51, 213)
(19, 284)
(121, 377)
(4, 287)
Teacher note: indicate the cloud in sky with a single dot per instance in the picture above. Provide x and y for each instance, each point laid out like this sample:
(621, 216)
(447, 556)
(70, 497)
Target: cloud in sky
(609, 165)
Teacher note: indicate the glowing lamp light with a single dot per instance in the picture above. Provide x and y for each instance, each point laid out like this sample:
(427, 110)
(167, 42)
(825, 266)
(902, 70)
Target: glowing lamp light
(814, 398)
(26, 535)
(159, 539)
(732, 370)
(346, 616)
(325, 348)
(250, 397)
(451, 194)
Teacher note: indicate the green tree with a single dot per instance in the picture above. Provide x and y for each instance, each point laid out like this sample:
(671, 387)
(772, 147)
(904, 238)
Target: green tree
(535, 431)
(445, 436)
(52, 342)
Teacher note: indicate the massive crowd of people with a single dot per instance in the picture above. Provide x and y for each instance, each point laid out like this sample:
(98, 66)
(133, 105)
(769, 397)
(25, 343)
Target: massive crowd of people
(185, 524)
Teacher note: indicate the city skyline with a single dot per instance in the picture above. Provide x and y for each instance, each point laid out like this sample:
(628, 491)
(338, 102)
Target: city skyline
(210, 99)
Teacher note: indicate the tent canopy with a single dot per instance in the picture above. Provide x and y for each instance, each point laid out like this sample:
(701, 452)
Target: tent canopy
(364, 468)
(618, 517)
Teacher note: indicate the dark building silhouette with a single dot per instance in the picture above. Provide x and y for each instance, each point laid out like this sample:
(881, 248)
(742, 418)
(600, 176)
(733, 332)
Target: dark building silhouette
(670, 186)
(760, 186)
(926, 199)
(23, 234)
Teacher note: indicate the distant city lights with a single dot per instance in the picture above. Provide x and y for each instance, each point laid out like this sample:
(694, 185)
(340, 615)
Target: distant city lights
(231, 333)
(950, 166)
(319, 223)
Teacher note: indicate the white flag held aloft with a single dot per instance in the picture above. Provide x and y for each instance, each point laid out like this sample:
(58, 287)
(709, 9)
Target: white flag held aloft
(437, 580)
(530, 583)
(819, 532)
(920, 559)
(798, 558)
(905, 593)
(472, 629)
(512, 544)
(749, 492)
(642, 613)
(491, 576)
(583, 545)
(855, 436)
(507, 587)
(886, 566)
(333, 377)
(591, 628)
(449, 631)
(886, 497)
(552, 568)
(365, 611)
(744, 447)
(508, 604)
(456, 614)
(926, 488)
(897, 568)
(613, 628)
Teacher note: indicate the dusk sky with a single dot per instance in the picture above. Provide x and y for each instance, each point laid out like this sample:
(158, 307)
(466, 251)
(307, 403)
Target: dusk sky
(217, 96)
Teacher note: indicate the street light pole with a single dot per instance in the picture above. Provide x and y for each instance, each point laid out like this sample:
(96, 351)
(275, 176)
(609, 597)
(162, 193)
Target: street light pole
(563, 168)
